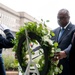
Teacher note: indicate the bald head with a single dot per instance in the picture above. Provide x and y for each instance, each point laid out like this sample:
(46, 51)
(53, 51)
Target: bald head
(64, 11)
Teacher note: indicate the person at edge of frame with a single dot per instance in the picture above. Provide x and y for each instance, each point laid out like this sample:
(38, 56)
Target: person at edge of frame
(71, 56)
(5, 42)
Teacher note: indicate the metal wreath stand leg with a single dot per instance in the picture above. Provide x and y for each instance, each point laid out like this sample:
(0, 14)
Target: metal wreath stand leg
(28, 70)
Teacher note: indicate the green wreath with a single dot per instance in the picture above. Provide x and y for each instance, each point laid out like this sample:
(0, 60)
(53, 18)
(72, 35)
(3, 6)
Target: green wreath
(38, 34)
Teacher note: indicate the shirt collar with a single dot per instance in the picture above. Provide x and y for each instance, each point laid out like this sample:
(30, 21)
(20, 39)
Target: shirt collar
(66, 26)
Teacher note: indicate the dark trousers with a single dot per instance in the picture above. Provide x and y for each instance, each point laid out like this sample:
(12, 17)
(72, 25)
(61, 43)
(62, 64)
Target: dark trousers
(2, 68)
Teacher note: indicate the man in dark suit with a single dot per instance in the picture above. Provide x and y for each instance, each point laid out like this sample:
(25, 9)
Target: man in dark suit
(64, 40)
(5, 43)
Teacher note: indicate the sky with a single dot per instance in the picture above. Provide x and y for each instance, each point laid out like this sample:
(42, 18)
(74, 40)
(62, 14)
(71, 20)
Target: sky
(43, 9)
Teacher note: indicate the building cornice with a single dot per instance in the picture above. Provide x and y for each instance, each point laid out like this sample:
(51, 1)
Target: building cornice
(5, 8)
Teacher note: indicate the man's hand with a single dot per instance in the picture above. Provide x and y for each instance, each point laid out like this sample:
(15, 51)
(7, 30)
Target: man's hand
(60, 55)
(3, 27)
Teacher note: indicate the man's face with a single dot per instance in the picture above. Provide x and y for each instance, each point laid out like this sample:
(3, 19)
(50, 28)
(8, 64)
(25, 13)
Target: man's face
(63, 19)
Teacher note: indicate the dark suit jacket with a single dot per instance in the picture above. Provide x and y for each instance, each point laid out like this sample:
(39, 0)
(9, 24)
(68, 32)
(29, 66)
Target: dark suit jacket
(63, 43)
(5, 43)
(72, 57)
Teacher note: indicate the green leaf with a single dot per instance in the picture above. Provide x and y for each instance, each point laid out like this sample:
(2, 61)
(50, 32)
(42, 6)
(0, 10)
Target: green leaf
(52, 54)
(56, 70)
(52, 33)
(47, 21)
(41, 19)
(55, 44)
(58, 50)
(61, 67)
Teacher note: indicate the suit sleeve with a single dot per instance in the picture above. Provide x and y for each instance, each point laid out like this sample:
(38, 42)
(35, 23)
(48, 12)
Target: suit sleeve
(6, 42)
(67, 50)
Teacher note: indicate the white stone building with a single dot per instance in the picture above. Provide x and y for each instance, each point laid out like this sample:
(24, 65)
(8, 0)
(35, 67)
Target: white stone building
(14, 19)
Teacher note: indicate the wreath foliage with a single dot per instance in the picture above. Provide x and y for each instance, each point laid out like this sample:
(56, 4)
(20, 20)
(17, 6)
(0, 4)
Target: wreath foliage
(38, 34)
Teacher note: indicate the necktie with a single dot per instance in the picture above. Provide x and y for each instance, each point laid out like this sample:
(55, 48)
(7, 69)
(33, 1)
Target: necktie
(61, 33)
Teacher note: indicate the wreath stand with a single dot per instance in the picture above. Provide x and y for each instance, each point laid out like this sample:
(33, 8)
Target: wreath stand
(28, 70)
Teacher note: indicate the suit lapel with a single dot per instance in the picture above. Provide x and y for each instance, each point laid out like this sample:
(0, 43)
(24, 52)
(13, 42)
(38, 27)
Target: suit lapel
(67, 30)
